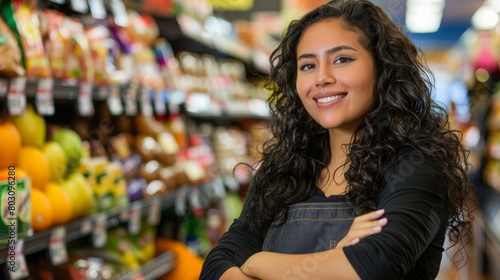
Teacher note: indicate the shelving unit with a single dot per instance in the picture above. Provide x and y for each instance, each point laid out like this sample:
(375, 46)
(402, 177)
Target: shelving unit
(67, 95)
(83, 227)
(153, 269)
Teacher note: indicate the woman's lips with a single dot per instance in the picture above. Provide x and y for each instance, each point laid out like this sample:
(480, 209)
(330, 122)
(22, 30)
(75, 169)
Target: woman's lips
(328, 100)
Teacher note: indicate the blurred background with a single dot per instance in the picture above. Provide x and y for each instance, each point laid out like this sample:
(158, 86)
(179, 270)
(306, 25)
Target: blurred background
(122, 123)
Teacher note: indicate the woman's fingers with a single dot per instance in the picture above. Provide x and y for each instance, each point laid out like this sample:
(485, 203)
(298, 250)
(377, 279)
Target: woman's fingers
(363, 226)
(370, 216)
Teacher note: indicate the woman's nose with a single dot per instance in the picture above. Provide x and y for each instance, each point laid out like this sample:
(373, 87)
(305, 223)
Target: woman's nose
(324, 76)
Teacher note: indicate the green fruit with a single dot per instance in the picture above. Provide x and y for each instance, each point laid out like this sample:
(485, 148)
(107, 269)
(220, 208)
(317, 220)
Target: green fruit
(71, 143)
(31, 127)
(81, 194)
(57, 161)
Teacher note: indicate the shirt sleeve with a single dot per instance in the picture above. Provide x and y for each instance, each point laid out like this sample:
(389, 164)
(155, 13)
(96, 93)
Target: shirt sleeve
(233, 248)
(413, 199)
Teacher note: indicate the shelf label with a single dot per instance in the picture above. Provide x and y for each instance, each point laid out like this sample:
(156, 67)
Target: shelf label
(4, 87)
(45, 97)
(86, 227)
(79, 6)
(16, 263)
(57, 246)
(131, 101)
(146, 107)
(99, 234)
(124, 215)
(16, 98)
(85, 103)
(119, 12)
(160, 100)
(114, 102)
(97, 9)
(134, 222)
(154, 214)
(138, 276)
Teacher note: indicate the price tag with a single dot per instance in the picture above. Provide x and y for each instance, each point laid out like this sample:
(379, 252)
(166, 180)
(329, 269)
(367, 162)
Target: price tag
(85, 103)
(138, 276)
(16, 97)
(99, 234)
(146, 107)
(130, 100)
(16, 263)
(119, 12)
(114, 102)
(57, 246)
(97, 9)
(124, 215)
(134, 222)
(154, 214)
(4, 87)
(86, 227)
(80, 6)
(45, 97)
(160, 100)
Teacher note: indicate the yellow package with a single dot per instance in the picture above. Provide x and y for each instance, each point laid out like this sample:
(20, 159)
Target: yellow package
(28, 24)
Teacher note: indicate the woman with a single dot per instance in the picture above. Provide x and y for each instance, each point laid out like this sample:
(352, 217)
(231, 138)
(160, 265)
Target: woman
(355, 131)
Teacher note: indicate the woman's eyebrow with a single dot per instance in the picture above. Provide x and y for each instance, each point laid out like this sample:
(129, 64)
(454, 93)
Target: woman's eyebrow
(329, 51)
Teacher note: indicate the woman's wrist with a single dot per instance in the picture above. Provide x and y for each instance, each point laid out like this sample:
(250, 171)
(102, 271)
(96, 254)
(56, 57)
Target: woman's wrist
(235, 273)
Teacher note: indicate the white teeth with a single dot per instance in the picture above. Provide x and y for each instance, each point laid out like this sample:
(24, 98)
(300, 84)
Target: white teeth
(330, 98)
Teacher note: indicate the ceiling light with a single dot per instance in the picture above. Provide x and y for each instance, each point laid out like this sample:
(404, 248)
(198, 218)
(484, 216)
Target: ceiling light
(424, 16)
(484, 18)
(493, 4)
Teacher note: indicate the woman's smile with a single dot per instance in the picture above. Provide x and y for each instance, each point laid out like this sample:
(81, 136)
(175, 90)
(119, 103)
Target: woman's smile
(335, 75)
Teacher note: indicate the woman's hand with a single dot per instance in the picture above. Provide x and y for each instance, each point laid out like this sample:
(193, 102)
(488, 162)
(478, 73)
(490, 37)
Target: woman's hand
(235, 273)
(362, 227)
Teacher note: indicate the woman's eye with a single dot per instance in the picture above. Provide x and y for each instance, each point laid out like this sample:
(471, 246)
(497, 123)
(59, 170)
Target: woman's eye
(307, 66)
(342, 60)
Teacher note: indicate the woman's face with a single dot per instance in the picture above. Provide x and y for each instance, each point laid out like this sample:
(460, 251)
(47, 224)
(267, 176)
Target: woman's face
(335, 75)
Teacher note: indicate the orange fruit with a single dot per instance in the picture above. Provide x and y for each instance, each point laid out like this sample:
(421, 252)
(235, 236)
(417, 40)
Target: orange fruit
(34, 162)
(42, 214)
(61, 203)
(10, 143)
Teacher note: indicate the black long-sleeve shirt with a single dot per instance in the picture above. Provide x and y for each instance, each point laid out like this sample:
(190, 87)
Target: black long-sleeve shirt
(410, 246)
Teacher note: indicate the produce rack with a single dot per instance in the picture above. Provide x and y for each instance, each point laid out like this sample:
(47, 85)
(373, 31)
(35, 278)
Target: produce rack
(154, 269)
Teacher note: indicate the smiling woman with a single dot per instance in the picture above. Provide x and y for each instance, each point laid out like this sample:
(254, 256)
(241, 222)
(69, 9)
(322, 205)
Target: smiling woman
(363, 177)
(335, 77)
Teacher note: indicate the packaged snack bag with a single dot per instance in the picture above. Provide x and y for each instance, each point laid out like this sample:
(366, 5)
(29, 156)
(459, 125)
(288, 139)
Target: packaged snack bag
(79, 66)
(59, 37)
(28, 24)
(11, 63)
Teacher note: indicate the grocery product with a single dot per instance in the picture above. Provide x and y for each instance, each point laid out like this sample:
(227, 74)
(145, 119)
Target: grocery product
(31, 127)
(34, 162)
(11, 54)
(61, 203)
(72, 146)
(42, 214)
(10, 143)
(27, 23)
(57, 160)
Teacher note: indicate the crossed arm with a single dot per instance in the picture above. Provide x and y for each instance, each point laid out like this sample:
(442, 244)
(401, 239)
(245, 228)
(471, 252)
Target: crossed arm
(320, 265)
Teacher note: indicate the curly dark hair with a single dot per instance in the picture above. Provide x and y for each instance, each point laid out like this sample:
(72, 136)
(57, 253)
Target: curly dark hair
(403, 114)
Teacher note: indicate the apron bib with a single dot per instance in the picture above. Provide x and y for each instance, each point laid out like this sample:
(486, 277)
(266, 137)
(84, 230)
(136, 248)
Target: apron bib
(309, 227)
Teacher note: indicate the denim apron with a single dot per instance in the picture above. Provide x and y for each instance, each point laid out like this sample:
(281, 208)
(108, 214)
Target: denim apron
(309, 227)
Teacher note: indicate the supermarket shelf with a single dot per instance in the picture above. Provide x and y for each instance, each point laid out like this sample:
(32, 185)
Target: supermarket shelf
(83, 227)
(253, 109)
(70, 91)
(186, 34)
(154, 269)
